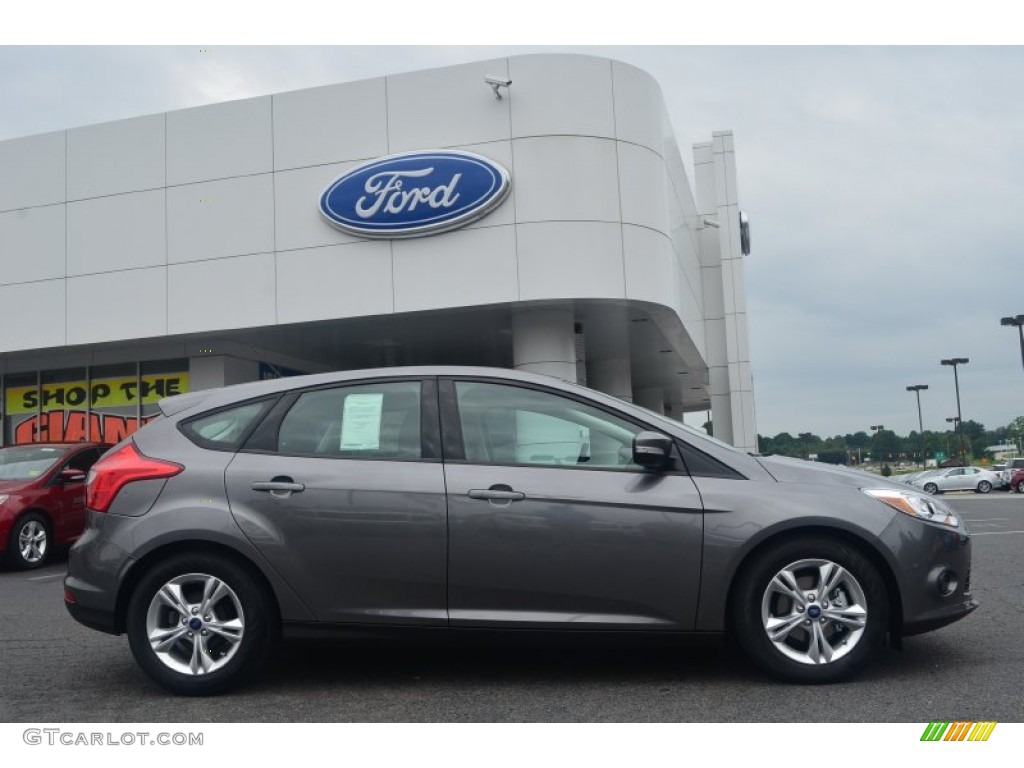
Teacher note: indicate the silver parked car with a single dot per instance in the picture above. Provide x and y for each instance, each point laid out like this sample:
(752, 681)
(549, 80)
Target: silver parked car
(468, 498)
(958, 479)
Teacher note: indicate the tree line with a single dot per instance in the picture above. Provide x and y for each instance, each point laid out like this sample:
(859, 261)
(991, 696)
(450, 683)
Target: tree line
(887, 446)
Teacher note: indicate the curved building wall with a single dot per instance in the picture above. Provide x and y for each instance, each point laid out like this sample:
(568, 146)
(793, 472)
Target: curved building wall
(206, 219)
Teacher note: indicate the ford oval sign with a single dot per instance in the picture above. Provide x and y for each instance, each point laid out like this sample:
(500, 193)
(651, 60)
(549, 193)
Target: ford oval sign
(414, 194)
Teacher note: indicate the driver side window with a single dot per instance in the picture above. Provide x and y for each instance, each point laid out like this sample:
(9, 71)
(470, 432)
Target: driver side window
(512, 425)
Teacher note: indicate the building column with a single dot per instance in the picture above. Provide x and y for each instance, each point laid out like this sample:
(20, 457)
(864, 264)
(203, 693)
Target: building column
(651, 398)
(544, 341)
(209, 372)
(613, 376)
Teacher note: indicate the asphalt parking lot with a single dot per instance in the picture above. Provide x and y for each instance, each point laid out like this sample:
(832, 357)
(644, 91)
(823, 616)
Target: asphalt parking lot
(55, 670)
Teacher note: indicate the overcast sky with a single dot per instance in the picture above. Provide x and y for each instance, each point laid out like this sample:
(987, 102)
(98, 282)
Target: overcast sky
(884, 187)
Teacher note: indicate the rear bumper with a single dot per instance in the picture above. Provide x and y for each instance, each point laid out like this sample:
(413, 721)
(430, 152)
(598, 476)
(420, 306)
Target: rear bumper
(94, 569)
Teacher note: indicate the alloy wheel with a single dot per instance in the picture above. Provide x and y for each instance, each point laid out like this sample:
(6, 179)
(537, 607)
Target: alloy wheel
(32, 542)
(814, 611)
(195, 624)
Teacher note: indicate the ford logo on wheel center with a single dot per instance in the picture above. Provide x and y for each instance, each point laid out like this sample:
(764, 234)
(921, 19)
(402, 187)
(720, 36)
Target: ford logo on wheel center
(414, 194)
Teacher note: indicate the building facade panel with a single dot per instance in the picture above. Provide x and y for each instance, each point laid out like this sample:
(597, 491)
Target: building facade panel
(447, 107)
(32, 244)
(140, 298)
(114, 158)
(221, 293)
(33, 171)
(561, 95)
(332, 123)
(336, 281)
(566, 178)
(108, 234)
(219, 141)
(220, 219)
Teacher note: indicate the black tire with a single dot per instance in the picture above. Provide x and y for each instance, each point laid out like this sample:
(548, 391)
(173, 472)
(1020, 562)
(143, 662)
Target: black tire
(931, 488)
(249, 602)
(1019, 488)
(29, 527)
(756, 603)
(984, 486)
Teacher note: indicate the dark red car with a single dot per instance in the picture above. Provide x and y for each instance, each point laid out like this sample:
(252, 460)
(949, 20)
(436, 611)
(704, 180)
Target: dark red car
(42, 498)
(1017, 480)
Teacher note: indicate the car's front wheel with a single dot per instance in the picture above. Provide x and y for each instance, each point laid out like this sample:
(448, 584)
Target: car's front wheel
(29, 542)
(200, 624)
(931, 488)
(984, 486)
(812, 610)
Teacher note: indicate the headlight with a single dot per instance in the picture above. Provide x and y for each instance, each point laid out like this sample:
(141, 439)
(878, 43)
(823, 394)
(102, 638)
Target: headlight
(916, 505)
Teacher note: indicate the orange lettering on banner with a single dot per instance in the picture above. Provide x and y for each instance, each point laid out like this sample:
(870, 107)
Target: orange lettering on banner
(51, 427)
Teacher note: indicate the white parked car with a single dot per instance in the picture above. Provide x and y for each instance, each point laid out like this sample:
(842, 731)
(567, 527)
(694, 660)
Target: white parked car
(959, 479)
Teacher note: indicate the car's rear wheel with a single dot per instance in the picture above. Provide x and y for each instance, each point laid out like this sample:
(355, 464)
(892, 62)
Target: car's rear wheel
(984, 486)
(1019, 488)
(931, 488)
(200, 624)
(29, 542)
(812, 610)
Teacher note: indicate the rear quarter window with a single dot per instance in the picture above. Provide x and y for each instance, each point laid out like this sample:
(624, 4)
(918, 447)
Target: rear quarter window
(225, 429)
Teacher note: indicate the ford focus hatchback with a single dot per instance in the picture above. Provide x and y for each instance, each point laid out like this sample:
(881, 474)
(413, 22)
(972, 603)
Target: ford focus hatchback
(472, 498)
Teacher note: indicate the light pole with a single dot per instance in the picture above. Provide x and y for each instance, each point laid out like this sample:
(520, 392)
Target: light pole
(1019, 322)
(955, 361)
(955, 421)
(877, 428)
(916, 389)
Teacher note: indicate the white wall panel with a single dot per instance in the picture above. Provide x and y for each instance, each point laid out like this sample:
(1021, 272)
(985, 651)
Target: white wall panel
(561, 94)
(651, 268)
(218, 141)
(222, 293)
(459, 269)
(117, 305)
(32, 315)
(643, 187)
(570, 260)
(218, 219)
(446, 107)
(33, 171)
(111, 158)
(349, 280)
(638, 107)
(32, 244)
(297, 208)
(501, 153)
(562, 178)
(330, 124)
(117, 232)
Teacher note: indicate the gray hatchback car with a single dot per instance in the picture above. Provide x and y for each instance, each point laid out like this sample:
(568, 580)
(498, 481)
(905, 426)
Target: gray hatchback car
(479, 498)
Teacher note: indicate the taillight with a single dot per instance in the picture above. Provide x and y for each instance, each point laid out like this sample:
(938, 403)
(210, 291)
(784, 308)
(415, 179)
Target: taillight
(115, 470)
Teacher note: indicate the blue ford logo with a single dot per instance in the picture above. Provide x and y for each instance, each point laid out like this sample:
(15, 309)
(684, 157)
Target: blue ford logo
(414, 194)
(814, 611)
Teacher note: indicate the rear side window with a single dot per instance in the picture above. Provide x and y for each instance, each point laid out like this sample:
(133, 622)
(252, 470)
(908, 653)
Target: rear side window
(224, 430)
(369, 421)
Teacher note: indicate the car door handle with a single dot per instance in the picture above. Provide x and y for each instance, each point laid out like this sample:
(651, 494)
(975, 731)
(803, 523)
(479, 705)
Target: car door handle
(496, 494)
(279, 488)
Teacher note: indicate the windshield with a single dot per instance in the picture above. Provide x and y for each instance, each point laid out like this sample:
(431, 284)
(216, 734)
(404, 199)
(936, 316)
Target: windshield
(27, 462)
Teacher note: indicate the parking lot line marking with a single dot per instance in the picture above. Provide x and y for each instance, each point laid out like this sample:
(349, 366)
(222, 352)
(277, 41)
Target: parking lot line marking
(985, 519)
(47, 576)
(994, 533)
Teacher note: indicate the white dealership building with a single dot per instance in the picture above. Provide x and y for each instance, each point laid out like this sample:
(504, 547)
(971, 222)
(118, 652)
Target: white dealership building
(191, 249)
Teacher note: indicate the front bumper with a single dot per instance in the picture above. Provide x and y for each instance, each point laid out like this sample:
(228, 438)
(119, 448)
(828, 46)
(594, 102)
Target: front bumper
(925, 552)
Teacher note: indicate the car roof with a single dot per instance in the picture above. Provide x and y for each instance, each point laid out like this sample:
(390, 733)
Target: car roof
(213, 398)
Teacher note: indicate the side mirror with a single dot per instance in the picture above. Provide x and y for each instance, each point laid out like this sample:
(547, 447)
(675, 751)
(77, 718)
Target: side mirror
(72, 476)
(652, 450)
